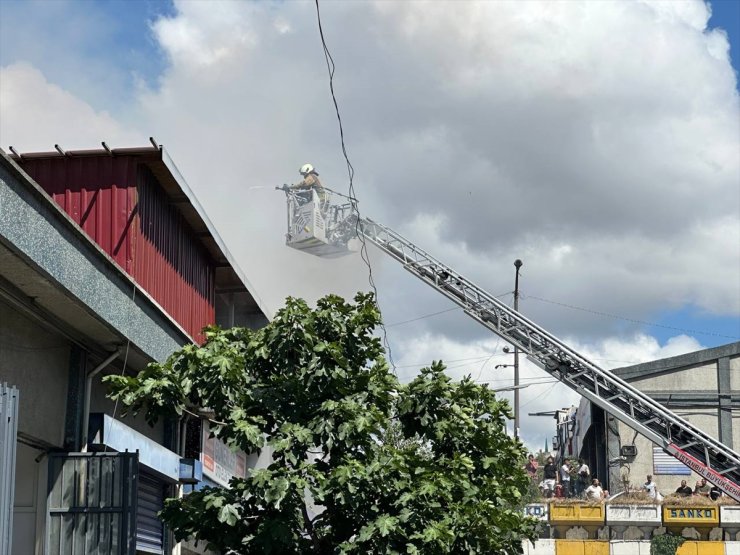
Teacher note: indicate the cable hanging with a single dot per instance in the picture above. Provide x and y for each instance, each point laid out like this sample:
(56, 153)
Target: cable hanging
(331, 67)
(633, 320)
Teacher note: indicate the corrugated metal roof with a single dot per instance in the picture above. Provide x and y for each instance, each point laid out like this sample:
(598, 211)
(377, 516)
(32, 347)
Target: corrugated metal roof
(229, 276)
(51, 269)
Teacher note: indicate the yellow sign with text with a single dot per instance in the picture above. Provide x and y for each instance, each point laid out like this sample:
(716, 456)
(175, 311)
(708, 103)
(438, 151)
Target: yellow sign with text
(690, 516)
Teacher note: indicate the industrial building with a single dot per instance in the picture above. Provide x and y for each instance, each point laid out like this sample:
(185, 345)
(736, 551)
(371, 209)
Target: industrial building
(107, 263)
(703, 387)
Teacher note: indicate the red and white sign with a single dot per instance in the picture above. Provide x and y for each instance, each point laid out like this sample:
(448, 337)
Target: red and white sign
(726, 485)
(220, 463)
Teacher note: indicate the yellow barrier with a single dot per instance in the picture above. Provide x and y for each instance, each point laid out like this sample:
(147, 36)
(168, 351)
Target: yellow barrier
(701, 548)
(576, 514)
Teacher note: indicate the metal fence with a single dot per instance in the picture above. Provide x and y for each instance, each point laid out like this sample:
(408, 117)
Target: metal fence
(92, 504)
(8, 436)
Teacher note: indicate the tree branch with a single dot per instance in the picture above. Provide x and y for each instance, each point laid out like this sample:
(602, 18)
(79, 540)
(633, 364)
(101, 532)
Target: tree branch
(309, 527)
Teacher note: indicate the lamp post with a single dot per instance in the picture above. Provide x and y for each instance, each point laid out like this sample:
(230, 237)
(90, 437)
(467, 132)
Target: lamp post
(517, 265)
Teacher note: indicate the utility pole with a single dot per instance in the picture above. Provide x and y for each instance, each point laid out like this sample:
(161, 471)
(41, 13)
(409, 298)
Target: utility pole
(517, 265)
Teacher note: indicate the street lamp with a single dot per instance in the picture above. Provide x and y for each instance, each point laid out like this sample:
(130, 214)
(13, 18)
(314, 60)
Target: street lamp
(510, 387)
(507, 351)
(517, 264)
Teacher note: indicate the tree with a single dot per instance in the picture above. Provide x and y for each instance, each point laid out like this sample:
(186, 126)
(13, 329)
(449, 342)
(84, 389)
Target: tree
(419, 468)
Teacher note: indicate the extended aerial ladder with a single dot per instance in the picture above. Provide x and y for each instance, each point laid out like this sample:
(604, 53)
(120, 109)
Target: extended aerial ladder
(325, 228)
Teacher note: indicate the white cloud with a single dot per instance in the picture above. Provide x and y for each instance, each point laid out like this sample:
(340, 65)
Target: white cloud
(37, 114)
(480, 358)
(207, 34)
(596, 141)
(615, 352)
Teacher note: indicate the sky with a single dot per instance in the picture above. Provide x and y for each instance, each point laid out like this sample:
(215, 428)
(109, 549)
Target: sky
(598, 142)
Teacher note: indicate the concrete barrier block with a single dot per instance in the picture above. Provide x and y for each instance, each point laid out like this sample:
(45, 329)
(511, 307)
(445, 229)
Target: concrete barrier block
(618, 547)
(633, 515)
(732, 548)
(729, 515)
(541, 547)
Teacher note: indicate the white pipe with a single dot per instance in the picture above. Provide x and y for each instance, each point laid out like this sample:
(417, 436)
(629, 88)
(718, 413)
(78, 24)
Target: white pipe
(183, 430)
(88, 391)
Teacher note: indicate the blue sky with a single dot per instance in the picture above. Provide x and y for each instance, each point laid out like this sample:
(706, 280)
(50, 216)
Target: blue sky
(726, 15)
(104, 40)
(712, 330)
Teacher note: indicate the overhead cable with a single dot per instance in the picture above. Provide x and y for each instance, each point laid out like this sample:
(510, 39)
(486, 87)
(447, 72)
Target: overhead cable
(331, 67)
(633, 320)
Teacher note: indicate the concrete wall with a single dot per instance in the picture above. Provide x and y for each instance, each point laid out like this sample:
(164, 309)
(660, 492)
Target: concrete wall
(703, 418)
(700, 377)
(735, 386)
(637, 470)
(735, 373)
(37, 363)
(694, 379)
(100, 403)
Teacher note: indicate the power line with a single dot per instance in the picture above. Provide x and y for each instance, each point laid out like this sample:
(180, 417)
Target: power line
(527, 384)
(633, 320)
(525, 379)
(495, 348)
(541, 394)
(471, 359)
(331, 67)
(486, 358)
(423, 317)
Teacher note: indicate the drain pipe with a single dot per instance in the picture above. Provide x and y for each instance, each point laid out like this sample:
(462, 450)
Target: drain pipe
(88, 391)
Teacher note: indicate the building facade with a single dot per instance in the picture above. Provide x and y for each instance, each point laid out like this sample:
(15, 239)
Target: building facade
(703, 387)
(107, 263)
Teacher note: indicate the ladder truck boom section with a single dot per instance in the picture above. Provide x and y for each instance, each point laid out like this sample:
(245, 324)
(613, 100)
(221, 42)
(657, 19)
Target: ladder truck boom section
(325, 229)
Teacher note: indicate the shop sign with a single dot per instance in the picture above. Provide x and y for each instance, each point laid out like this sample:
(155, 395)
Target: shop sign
(699, 514)
(536, 510)
(220, 463)
(690, 516)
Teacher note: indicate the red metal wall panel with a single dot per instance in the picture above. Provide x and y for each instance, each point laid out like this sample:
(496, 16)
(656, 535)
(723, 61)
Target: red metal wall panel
(98, 193)
(119, 204)
(166, 244)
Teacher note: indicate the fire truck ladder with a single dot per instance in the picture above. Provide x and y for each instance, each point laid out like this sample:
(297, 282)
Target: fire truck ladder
(702, 453)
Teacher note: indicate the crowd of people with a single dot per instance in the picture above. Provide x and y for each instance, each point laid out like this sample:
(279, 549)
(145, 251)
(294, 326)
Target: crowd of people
(702, 489)
(573, 479)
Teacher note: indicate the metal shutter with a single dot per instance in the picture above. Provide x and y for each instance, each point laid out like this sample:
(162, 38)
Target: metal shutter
(149, 529)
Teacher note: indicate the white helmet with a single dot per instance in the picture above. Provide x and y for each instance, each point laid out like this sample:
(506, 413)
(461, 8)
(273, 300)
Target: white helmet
(306, 169)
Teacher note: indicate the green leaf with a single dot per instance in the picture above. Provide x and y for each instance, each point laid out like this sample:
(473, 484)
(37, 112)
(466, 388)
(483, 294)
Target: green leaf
(424, 467)
(228, 514)
(385, 524)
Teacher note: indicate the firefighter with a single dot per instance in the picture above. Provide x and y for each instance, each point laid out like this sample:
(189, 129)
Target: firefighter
(310, 181)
